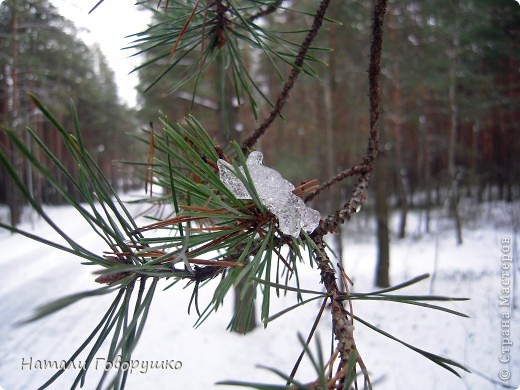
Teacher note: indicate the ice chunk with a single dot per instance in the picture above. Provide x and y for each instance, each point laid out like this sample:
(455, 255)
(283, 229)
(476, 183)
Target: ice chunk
(275, 193)
(232, 182)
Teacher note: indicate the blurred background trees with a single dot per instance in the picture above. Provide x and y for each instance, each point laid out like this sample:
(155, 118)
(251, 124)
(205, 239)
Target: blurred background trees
(450, 116)
(450, 86)
(41, 53)
(451, 110)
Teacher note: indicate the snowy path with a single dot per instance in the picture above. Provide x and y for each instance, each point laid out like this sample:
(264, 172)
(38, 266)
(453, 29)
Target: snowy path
(34, 274)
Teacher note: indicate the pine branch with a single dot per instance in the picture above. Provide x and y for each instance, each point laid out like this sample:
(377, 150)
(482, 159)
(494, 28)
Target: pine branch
(269, 10)
(342, 320)
(95, 6)
(374, 72)
(289, 84)
(358, 195)
(355, 170)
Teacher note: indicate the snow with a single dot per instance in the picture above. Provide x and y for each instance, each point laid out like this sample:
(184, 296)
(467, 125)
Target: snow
(275, 193)
(35, 274)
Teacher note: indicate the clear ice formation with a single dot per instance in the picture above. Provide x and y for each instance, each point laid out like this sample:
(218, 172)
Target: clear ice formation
(275, 193)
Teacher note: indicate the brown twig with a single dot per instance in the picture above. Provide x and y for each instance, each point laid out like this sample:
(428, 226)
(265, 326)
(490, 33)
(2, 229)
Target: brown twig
(203, 36)
(365, 168)
(342, 323)
(216, 263)
(374, 72)
(269, 10)
(289, 83)
(346, 282)
(306, 187)
(356, 170)
(181, 34)
(165, 7)
(342, 320)
(353, 205)
(220, 26)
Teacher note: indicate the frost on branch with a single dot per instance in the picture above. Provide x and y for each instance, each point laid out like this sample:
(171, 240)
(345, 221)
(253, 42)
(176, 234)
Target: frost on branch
(275, 193)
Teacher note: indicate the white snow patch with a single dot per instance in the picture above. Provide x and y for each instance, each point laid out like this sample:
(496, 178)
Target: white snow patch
(34, 274)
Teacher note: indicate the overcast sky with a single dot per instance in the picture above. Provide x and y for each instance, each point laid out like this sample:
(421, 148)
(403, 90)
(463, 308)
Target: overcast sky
(108, 25)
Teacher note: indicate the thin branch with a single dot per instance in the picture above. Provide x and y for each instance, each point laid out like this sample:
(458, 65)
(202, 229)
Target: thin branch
(183, 31)
(296, 70)
(95, 6)
(342, 320)
(220, 25)
(355, 170)
(269, 10)
(352, 206)
(374, 72)
(359, 194)
(165, 7)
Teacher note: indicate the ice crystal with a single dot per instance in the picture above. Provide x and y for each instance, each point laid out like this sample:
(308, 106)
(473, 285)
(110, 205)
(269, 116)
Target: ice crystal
(275, 193)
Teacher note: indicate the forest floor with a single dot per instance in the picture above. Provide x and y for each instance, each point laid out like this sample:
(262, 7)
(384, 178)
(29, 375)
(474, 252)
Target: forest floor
(33, 274)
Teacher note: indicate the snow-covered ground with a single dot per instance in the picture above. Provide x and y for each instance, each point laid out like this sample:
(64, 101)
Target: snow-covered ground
(33, 274)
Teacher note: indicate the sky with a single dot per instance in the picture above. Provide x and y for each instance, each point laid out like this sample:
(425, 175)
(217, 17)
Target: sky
(108, 26)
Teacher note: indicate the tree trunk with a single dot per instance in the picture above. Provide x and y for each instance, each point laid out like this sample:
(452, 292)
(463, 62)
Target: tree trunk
(426, 167)
(334, 195)
(397, 129)
(13, 195)
(454, 176)
(226, 115)
(403, 202)
(383, 241)
(244, 313)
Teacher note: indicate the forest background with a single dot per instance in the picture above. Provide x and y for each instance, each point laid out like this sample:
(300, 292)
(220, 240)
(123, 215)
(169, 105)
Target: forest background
(450, 111)
(450, 93)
